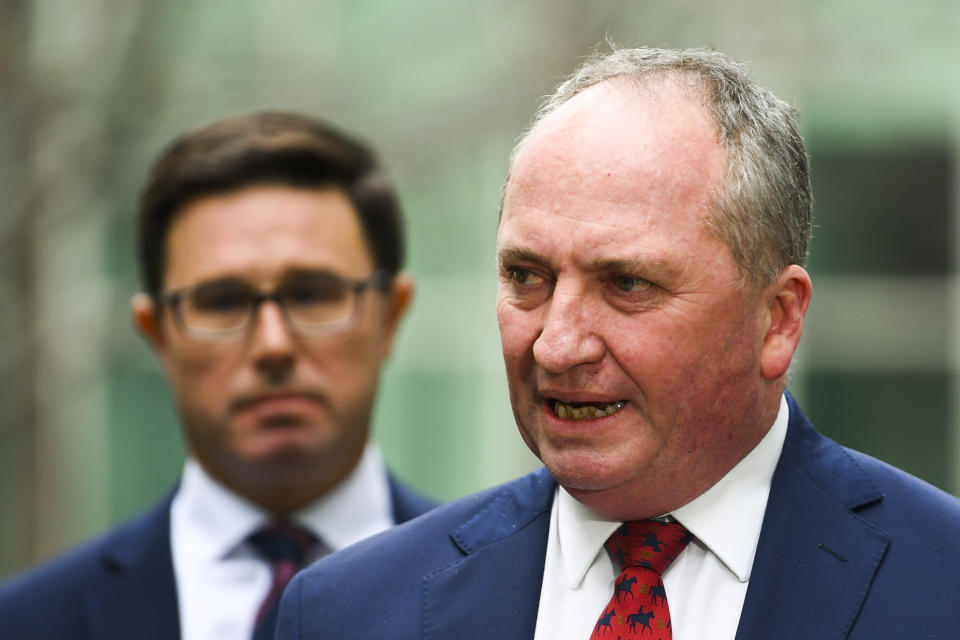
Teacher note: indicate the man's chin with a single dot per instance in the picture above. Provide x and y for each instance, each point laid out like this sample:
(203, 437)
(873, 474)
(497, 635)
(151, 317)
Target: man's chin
(580, 479)
(285, 451)
(279, 448)
(588, 473)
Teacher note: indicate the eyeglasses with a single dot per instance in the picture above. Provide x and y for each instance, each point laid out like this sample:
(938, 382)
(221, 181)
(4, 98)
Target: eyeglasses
(313, 303)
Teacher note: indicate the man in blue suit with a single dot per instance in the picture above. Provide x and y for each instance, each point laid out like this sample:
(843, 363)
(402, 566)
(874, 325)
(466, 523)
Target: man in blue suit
(271, 249)
(653, 232)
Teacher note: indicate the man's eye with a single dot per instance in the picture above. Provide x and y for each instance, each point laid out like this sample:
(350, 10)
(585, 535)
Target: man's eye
(629, 284)
(219, 299)
(315, 293)
(523, 276)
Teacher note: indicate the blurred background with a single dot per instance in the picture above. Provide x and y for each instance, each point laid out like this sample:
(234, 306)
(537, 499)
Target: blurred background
(90, 90)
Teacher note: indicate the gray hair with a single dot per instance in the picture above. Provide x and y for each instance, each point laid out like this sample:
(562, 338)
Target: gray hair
(763, 208)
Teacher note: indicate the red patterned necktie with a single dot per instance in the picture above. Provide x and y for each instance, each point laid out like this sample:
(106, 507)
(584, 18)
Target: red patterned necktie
(287, 548)
(638, 608)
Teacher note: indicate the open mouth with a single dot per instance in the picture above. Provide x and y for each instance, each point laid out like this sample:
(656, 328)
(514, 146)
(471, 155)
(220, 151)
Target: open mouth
(585, 410)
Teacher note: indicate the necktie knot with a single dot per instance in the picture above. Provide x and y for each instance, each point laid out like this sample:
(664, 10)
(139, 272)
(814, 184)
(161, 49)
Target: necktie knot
(649, 544)
(644, 550)
(287, 548)
(281, 541)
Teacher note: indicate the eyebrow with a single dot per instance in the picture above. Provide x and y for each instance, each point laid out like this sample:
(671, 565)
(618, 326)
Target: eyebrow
(638, 265)
(301, 272)
(517, 254)
(626, 265)
(287, 276)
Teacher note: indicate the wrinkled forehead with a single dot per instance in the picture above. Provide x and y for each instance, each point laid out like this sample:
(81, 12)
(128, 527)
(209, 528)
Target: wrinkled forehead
(626, 99)
(619, 142)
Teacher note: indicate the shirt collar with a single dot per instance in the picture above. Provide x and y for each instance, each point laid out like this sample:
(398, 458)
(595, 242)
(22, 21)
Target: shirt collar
(582, 533)
(726, 518)
(218, 520)
(356, 508)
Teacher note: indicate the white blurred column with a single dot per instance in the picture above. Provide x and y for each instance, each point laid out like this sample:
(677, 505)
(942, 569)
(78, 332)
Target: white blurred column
(77, 51)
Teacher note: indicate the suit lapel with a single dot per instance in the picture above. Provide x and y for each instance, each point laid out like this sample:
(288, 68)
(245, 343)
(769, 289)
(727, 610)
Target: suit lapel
(493, 591)
(136, 596)
(816, 557)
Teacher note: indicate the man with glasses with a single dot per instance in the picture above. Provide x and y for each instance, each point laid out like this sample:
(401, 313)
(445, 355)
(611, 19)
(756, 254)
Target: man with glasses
(271, 248)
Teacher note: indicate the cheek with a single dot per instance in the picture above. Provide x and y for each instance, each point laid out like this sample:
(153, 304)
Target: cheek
(736, 349)
(203, 376)
(518, 332)
(350, 365)
(710, 380)
(518, 360)
(678, 366)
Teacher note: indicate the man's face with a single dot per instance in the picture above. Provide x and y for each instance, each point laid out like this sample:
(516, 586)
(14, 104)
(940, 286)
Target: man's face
(274, 411)
(632, 355)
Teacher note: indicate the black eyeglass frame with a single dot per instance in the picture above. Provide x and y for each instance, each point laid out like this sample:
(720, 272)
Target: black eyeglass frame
(380, 280)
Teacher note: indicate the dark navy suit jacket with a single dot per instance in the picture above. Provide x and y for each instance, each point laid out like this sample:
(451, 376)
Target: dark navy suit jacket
(850, 548)
(120, 586)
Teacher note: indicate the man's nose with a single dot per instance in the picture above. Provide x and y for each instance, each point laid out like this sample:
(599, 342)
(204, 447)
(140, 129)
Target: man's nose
(569, 336)
(272, 341)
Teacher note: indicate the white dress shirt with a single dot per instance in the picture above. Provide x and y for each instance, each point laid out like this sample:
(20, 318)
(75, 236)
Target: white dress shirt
(221, 581)
(707, 582)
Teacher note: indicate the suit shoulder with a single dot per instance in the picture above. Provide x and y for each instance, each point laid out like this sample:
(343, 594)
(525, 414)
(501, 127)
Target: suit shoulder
(908, 496)
(391, 568)
(876, 490)
(434, 535)
(61, 582)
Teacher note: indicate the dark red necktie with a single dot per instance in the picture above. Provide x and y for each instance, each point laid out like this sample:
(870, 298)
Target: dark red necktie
(287, 548)
(638, 608)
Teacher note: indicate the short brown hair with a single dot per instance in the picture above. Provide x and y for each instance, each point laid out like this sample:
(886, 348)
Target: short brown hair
(267, 147)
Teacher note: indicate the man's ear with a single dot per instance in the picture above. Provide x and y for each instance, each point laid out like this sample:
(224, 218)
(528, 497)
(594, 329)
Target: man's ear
(787, 301)
(146, 320)
(398, 302)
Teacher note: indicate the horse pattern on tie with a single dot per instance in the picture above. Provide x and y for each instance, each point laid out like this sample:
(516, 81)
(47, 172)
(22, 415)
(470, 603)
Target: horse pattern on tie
(638, 608)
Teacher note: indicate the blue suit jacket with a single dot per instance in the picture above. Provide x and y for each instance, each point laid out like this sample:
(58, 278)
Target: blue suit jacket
(850, 548)
(120, 586)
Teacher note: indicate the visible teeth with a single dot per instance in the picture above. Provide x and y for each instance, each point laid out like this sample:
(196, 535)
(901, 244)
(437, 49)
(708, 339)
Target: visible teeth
(569, 412)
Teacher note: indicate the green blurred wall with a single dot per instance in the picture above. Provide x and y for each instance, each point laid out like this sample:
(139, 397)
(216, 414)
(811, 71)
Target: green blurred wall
(442, 89)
